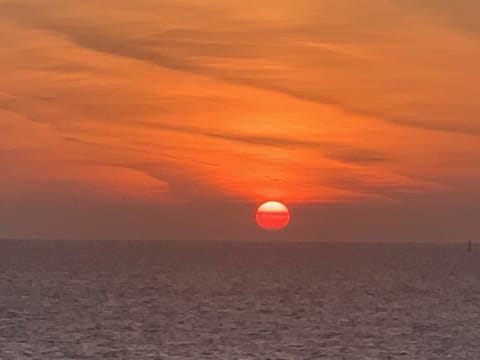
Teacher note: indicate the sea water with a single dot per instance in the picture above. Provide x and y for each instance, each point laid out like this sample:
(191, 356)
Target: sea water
(238, 300)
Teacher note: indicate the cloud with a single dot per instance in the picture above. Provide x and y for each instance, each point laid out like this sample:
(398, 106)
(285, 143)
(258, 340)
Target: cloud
(76, 181)
(99, 106)
(101, 138)
(336, 151)
(101, 145)
(6, 100)
(460, 14)
(346, 71)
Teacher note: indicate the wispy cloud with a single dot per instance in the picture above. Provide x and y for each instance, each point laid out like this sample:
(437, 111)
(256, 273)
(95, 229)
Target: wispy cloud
(352, 69)
(213, 98)
(460, 14)
(335, 151)
(173, 114)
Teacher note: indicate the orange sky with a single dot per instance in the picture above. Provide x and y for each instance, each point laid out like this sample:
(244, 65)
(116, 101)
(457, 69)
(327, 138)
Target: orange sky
(189, 107)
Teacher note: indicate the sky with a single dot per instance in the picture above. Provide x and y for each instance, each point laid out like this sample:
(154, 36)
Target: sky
(174, 120)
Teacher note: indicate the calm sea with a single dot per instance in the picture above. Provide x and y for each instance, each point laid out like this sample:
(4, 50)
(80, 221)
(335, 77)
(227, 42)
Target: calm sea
(205, 300)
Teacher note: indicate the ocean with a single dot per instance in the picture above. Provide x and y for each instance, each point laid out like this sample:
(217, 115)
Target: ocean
(238, 300)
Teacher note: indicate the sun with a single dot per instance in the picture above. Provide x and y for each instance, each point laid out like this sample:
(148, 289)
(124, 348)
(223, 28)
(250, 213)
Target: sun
(272, 216)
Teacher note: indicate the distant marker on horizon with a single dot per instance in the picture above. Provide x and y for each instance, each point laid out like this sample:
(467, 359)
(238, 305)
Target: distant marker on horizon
(469, 245)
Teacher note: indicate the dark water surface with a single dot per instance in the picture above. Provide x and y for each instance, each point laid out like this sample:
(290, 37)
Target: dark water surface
(179, 300)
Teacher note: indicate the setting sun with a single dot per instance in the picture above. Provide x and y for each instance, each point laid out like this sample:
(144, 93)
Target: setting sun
(272, 216)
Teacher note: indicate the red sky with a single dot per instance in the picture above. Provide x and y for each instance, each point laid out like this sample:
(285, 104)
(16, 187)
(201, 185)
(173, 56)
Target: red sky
(175, 119)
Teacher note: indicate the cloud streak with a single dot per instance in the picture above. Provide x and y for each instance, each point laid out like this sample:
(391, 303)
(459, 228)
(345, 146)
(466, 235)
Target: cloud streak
(195, 51)
(168, 115)
(335, 151)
